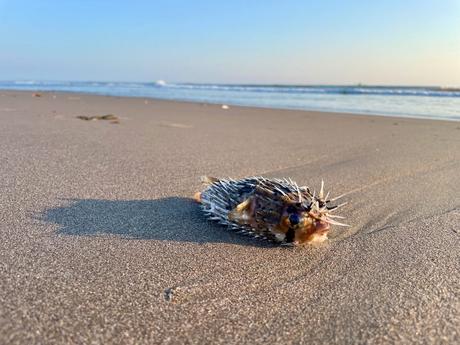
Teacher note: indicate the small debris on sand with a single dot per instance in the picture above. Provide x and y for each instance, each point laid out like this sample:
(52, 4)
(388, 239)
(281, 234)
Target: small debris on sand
(36, 94)
(110, 117)
(225, 106)
(107, 117)
(175, 125)
(168, 295)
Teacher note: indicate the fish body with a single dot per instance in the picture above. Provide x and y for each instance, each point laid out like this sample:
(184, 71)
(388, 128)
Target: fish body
(274, 209)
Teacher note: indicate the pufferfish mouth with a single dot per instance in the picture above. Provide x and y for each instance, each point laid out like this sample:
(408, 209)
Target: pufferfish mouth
(321, 226)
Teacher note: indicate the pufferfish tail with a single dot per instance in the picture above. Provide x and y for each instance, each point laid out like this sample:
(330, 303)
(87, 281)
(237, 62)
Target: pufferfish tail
(207, 181)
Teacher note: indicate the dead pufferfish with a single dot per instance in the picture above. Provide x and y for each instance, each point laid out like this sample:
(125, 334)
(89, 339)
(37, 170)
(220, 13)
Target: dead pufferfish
(274, 209)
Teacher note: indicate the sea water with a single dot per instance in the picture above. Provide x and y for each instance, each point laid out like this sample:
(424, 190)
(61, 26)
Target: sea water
(418, 102)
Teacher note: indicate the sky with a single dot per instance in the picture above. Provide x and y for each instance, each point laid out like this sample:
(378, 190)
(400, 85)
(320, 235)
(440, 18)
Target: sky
(387, 42)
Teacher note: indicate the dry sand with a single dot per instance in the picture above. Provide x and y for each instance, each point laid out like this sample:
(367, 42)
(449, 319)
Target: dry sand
(100, 244)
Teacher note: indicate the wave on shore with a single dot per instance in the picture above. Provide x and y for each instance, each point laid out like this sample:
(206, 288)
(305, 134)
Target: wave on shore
(421, 102)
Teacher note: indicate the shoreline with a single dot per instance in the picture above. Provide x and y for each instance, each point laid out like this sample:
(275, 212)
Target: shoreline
(235, 104)
(337, 113)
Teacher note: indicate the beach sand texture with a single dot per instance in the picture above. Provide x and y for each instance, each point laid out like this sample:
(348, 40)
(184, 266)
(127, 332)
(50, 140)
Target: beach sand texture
(100, 243)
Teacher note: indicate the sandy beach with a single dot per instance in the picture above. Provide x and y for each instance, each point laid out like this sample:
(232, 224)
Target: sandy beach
(100, 242)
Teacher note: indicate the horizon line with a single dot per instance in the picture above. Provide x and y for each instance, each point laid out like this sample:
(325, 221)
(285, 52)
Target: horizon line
(165, 83)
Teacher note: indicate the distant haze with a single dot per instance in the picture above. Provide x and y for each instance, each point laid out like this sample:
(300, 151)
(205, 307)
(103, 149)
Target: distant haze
(288, 42)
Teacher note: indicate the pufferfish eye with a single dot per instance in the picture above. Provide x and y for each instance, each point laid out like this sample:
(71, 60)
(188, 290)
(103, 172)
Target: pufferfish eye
(294, 219)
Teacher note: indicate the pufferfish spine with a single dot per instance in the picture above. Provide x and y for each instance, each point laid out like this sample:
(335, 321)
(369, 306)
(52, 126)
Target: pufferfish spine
(274, 209)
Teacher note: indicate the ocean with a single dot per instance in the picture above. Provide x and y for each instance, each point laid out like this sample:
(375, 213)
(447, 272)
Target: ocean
(415, 102)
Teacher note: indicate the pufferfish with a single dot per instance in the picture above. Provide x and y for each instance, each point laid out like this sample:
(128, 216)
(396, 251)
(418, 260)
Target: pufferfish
(274, 209)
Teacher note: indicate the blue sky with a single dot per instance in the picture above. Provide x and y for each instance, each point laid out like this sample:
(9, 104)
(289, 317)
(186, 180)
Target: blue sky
(234, 41)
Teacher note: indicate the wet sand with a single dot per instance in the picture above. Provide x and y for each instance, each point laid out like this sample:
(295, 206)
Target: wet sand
(100, 243)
